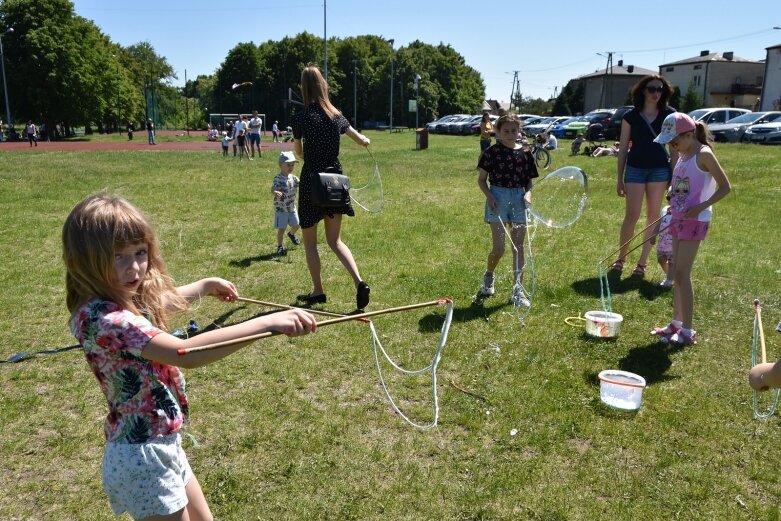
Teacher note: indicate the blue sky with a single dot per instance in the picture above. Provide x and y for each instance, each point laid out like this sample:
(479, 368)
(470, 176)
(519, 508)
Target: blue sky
(547, 45)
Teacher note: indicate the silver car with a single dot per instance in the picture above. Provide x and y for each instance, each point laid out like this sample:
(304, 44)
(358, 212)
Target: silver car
(733, 130)
(768, 133)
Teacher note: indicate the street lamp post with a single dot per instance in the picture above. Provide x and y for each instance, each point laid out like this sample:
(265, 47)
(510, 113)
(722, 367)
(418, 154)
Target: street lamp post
(391, 42)
(5, 86)
(355, 94)
(417, 101)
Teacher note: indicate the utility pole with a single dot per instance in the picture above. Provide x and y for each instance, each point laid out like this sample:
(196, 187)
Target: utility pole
(609, 65)
(516, 90)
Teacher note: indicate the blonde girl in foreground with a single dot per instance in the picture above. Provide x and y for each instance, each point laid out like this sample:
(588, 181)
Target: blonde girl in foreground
(120, 296)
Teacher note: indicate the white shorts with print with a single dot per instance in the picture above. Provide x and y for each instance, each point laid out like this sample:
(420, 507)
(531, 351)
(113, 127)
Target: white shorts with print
(146, 479)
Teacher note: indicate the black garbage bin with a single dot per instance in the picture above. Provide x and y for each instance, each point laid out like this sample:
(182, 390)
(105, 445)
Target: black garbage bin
(421, 139)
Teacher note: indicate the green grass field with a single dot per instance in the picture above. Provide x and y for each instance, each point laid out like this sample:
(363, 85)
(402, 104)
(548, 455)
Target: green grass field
(300, 429)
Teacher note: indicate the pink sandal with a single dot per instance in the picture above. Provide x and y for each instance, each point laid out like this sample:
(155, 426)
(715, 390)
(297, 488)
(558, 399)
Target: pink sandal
(618, 265)
(639, 270)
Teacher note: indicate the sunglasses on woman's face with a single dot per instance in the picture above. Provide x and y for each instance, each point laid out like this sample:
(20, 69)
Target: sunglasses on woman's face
(652, 89)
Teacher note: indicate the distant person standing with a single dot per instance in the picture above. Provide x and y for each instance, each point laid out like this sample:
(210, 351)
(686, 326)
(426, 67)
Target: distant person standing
(275, 132)
(255, 123)
(486, 129)
(150, 131)
(130, 129)
(240, 125)
(2, 137)
(31, 132)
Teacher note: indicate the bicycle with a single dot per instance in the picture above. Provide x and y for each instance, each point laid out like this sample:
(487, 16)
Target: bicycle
(542, 157)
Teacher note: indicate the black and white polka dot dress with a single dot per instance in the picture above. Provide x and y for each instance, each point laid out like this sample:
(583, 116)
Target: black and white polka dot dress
(320, 136)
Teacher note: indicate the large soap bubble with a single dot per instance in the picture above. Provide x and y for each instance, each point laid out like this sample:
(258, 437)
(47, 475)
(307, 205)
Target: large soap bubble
(560, 198)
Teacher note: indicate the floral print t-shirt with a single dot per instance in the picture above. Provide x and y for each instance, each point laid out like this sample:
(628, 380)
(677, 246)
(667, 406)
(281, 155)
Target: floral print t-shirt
(146, 399)
(507, 167)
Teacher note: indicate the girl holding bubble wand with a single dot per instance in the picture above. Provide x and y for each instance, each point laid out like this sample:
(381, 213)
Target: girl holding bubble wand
(120, 296)
(698, 182)
(509, 168)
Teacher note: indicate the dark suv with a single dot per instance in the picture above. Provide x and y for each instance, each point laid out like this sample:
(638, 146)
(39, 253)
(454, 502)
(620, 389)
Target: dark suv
(613, 128)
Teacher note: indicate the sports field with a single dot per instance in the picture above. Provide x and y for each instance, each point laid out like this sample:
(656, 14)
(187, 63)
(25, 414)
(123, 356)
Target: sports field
(301, 429)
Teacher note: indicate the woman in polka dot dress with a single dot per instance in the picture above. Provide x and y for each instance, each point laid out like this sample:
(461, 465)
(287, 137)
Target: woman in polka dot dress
(316, 133)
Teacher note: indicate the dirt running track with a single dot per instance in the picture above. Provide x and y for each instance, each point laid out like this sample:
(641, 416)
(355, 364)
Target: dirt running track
(166, 140)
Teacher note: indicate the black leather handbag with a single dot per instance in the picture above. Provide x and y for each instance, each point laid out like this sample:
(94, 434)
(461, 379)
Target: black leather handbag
(330, 188)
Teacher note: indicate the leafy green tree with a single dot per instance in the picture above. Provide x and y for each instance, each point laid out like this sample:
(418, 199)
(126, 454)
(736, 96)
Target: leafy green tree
(561, 107)
(529, 105)
(692, 99)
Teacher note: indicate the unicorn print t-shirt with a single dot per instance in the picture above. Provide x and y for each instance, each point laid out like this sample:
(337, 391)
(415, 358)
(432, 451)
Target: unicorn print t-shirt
(689, 187)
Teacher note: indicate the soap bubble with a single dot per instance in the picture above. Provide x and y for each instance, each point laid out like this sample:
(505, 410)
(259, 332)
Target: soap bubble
(560, 198)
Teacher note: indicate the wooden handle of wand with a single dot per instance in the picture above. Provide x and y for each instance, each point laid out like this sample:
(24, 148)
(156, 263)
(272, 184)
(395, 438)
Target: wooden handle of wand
(758, 309)
(345, 318)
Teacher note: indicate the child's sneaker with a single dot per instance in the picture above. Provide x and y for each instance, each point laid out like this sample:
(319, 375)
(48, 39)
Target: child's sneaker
(295, 240)
(519, 298)
(281, 251)
(666, 283)
(665, 332)
(681, 339)
(487, 289)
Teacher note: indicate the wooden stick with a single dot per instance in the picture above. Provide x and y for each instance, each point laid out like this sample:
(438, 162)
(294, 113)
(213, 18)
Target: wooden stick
(631, 239)
(283, 306)
(758, 309)
(344, 318)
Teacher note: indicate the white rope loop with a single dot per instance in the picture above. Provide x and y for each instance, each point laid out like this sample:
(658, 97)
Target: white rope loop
(377, 345)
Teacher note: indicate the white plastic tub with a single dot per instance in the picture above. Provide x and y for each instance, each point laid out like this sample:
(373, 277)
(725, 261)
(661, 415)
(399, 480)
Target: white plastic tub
(603, 324)
(621, 389)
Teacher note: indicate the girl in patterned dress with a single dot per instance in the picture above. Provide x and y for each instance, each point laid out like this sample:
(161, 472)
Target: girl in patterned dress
(120, 297)
(316, 132)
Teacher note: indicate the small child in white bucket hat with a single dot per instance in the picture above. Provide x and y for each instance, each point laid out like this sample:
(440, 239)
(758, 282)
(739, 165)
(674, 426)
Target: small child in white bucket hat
(284, 187)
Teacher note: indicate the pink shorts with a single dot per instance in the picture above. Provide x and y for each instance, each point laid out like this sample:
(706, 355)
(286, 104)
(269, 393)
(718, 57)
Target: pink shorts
(689, 229)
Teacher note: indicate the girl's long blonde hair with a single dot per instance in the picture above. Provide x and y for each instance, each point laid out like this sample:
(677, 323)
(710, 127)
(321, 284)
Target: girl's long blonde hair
(94, 229)
(314, 89)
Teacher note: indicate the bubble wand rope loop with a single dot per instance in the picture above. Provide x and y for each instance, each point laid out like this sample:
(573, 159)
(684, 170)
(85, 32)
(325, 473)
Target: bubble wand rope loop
(760, 335)
(633, 238)
(285, 306)
(346, 318)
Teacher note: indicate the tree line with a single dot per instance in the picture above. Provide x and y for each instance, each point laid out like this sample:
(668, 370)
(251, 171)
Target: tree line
(63, 71)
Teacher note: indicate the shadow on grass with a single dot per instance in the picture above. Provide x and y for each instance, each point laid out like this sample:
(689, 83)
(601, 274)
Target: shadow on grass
(646, 289)
(650, 361)
(246, 262)
(474, 311)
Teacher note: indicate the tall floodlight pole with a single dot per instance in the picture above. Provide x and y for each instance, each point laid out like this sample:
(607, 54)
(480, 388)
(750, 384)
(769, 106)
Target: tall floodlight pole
(325, 45)
(391, 41)
(355, 94)
(417, 102)
(5, 86)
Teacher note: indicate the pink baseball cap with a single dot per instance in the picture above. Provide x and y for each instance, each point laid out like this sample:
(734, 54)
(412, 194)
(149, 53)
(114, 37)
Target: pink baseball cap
(674, 125)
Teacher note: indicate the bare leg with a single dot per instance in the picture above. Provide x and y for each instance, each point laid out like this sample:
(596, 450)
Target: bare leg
(517, 234)
(653, 201)
(683, 298)
(634, 205)
(313, 259)
(280, 236)
(333, 226)
(497, 249)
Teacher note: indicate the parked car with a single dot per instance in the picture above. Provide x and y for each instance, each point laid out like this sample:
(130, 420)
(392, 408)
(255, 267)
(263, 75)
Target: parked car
(767, 133)
(716, 115)
(536, 128)
(578, 128)
(613, 128)
(432, 125)
(451, 127)
(732, 131)
(441, 128)
(558, 128)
